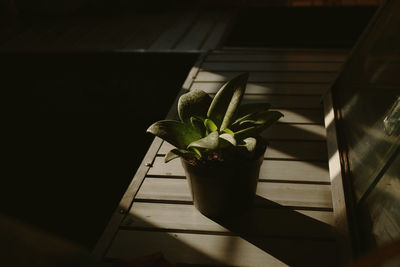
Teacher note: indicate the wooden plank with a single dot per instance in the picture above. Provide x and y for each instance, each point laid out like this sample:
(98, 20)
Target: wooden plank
(260, 221)
(128, 28)
(286, 101)
(275, 57)
(219, 30)
(335, 175)
(286, 194)
(71, 37)
(300, 116)
(277, 50)
(203, 249)
(300, 150)
(275, 170)
(269, 88)
(87, 26)
(198, 33)
(169, 38)
(295, 132)
(306, 77)
(271, 66)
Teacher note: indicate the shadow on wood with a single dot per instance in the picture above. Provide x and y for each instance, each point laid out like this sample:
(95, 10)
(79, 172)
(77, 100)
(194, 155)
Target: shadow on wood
(306, 252)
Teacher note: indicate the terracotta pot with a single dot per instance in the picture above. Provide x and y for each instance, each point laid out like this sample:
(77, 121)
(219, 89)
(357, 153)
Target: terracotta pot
(224, 188)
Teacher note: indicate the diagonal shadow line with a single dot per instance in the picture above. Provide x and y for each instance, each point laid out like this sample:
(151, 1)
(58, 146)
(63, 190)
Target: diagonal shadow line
(292, 132)
(309, 251)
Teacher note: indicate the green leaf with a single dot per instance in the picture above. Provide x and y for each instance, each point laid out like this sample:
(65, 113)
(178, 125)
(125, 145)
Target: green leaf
(262, 117)
(176, 133)
(225, 103)
(198, 124)
(244, 111)
(193, 104)
(250, 143)
(260, 121)
(210, 126)
(197, 152)
(210, 142)
(226, 140)
(176, 153)
(228, 131)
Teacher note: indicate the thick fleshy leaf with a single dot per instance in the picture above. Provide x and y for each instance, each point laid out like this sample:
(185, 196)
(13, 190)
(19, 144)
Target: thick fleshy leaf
(262, 117)
(210, 126)
(176, 133)
(210, 142)
(226, 140)
(250, 143)
(225, 103)
(198, 124)
(260, 122)
(193, 104)
(228, 131)
(176, 153)
(244, 111)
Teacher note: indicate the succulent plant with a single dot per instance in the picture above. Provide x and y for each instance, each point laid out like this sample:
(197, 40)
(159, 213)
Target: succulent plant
(218, 128)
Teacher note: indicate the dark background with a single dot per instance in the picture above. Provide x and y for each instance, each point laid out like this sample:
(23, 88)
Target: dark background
(74, 133)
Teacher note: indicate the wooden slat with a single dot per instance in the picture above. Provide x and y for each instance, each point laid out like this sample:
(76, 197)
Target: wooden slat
(295, 132)
(260, 221)
(204, 249)
(275, 57)
(271, 66)
(300, 150)
(269, 88)
(195, 38)
(286, 194)
(136, 31)
(71, 39)
(338, 185)
(297, 171)
(287, 101)
(145, 31)
(300, 116)
(169, 38)
(102, 32)
(302, 51)
(218, 32)
(307, 77)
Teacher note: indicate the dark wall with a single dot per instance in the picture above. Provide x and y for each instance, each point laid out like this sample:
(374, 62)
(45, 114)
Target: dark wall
(75, 132)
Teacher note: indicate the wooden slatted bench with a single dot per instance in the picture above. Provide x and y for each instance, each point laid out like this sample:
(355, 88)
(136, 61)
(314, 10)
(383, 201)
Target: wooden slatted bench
(197, 29)
(294, 217)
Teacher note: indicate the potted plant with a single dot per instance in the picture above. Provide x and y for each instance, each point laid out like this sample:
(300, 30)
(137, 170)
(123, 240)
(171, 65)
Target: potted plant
(220, 145)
